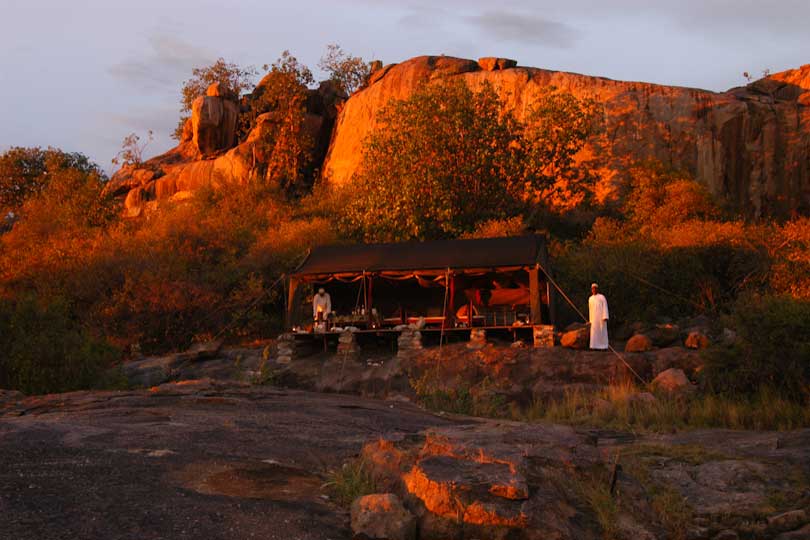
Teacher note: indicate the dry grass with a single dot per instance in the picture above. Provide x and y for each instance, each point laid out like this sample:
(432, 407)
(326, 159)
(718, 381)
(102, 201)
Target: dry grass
(352, 480)
(619, 407)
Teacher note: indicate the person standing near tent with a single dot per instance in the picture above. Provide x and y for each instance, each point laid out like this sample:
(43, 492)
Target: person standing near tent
(321, 305)
(598, 315)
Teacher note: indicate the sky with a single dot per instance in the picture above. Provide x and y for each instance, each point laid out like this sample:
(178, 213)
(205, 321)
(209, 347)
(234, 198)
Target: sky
(80, 75)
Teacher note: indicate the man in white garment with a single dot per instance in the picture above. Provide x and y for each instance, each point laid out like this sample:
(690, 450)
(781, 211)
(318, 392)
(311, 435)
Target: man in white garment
(598, 315)
(321, 306)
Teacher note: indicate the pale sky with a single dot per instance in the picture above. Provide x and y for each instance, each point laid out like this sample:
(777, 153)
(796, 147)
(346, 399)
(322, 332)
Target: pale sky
(82, 74)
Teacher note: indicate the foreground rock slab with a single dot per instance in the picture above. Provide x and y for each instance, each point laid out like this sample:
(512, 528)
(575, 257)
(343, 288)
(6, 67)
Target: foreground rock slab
(188, 460)
(229, 460)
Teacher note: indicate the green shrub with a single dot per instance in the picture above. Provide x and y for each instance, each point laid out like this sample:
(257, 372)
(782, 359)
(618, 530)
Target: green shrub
(772, 350)
(644, 281)
(352, 480)
(46, 351)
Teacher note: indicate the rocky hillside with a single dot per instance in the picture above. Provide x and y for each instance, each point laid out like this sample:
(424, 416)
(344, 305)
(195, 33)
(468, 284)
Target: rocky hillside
(749, 145)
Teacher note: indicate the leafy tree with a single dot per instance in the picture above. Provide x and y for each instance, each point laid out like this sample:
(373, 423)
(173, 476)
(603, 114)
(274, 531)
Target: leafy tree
(71, 203)
(557, 127)
(348, 72)
(24, 172)
(448, 158)
(131, 152)
(440, 162)
(660, 198)
(232, 77)
(278, 105)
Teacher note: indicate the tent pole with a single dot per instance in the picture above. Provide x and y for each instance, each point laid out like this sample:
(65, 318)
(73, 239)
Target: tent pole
(534, 292)
(444, 309)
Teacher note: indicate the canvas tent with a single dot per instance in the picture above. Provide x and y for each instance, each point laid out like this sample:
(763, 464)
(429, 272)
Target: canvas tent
(433, 278)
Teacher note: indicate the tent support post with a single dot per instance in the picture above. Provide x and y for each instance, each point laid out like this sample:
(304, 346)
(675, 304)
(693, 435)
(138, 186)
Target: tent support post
(367, 284)
(534, 292)
(292, 303)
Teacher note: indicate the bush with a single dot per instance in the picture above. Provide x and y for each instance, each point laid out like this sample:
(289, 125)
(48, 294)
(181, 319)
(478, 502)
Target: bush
(449, 157)
(687, 269)
(772, 350)
(45, 350)
(352, 480)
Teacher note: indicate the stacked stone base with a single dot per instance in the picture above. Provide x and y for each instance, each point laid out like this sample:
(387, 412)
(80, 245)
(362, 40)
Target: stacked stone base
(347, 344)
(543, 335)
(409, 343)
(478, 339)
(286, 348)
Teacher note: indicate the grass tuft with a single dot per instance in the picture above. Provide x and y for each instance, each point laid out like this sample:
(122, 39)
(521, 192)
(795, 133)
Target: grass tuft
(352, 480)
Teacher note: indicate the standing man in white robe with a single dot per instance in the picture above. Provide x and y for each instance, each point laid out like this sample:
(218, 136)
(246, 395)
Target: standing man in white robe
(598, 315)
(321, 307)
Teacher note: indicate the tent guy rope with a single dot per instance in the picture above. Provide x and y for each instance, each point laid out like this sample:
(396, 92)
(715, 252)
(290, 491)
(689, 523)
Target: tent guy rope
(585, 319)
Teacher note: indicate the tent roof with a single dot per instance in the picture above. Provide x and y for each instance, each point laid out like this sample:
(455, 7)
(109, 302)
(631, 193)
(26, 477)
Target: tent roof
(431, 255)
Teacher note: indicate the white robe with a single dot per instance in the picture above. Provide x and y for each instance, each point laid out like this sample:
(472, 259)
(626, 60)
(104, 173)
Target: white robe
(321, 303)
(598, 315)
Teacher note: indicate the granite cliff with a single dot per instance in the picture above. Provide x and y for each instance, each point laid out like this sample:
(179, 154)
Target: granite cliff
(749, 145)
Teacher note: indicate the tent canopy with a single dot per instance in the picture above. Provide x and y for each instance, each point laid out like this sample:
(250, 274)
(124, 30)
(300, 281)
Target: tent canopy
(514, 251)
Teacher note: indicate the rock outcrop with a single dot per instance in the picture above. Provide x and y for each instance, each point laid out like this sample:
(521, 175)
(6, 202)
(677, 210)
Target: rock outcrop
(382, 516)
(211, 155)
(749, 145)
(213, 121)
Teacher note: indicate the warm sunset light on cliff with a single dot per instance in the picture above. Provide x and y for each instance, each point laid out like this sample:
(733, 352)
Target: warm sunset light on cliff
(405, 270)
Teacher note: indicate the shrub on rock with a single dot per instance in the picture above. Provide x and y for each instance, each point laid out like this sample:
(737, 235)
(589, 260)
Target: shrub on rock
(769, 349)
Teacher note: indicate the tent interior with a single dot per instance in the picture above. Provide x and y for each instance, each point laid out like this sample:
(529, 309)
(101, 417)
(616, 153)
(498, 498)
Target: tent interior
(492, 283)
(493, 298)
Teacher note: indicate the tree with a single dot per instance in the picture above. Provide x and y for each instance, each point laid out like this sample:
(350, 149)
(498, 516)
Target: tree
(448, 158)
(662, 198)
(348, 72)
(232, 77)
(557, 127)
(283, 147)
(25, 172)
(131, 152)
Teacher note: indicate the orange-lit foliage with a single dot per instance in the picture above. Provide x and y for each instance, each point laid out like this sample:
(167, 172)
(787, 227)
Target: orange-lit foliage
(448, 158)
(192, 269)
(284, 145)
(495, 228)
(669, 253)
(791, 252)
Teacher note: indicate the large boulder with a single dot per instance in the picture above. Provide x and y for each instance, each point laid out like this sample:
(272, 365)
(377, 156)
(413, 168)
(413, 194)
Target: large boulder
(578, 337)
(696, 340)
(382, 517)
(213, 121)
(491, 63)
(638, 343)
(687, 360)
(671, 381)
(735, 143)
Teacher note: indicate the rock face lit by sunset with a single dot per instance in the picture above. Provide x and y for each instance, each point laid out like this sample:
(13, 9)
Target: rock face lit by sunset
(423, 272)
